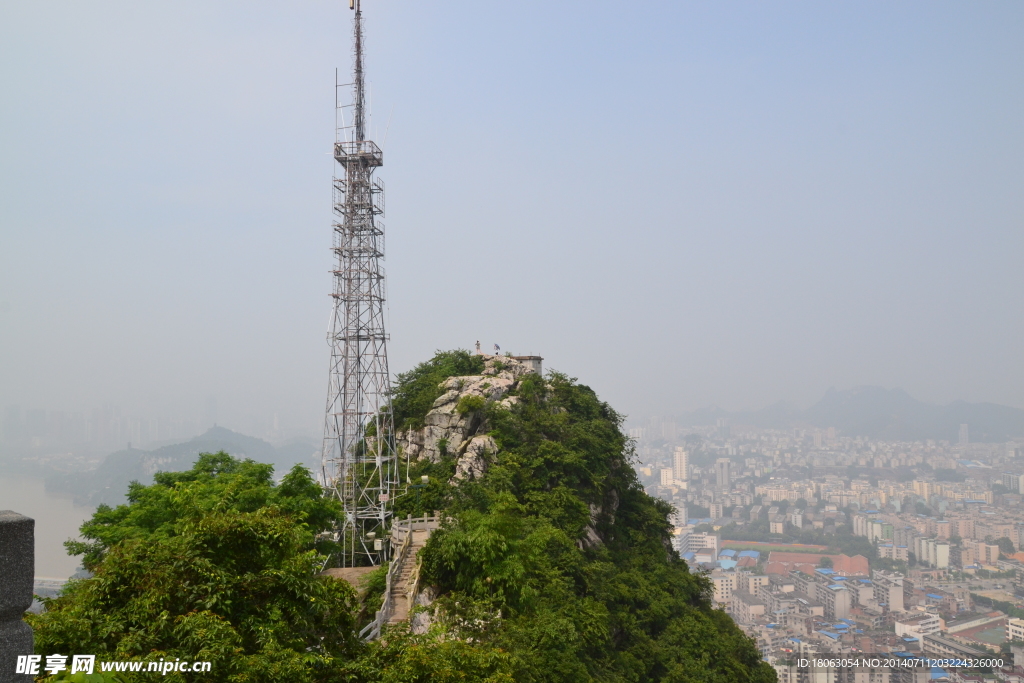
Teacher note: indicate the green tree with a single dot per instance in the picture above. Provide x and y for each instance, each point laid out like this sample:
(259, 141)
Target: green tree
(825, 561)
(214, 564)
(430, 658)
(216, 483)
(560, 540)
(1006, 546)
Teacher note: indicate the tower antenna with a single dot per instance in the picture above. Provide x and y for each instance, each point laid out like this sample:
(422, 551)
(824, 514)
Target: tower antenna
(359, 455)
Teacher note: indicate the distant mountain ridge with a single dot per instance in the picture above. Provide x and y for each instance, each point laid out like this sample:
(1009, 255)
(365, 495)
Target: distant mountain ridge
(108, 483)
(878, 413)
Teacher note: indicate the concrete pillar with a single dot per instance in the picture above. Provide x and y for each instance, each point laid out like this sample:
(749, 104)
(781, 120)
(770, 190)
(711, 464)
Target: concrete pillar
(17, 577)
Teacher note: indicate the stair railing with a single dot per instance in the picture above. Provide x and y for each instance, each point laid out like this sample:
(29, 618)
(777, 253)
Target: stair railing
(372, 630)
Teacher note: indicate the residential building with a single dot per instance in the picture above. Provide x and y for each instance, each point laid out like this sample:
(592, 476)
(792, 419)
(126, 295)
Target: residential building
(681, 466)
(888, 590)
(746, 607)
(724, 584)
(918, 625)
(836, 599)
(666, 476)
(722, 473)
(1015, 630)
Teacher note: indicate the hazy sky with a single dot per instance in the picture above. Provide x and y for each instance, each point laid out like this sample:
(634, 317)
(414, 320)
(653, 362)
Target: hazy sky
(679, 203)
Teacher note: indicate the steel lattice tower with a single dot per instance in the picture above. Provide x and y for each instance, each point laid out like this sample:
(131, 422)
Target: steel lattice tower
(359, 457)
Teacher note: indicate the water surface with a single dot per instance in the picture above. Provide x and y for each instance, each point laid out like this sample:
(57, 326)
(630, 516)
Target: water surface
(57, 520)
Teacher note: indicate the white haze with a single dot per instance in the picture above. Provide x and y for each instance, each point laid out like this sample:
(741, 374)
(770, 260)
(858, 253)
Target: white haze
(679, 203)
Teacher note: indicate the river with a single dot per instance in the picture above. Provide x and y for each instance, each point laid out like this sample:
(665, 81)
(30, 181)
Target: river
(57, 520)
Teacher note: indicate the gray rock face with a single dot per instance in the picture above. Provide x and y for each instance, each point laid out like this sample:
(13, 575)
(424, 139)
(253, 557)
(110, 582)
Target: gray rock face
(457, 433)
(17, 569)
(473, 462)
(422, 619)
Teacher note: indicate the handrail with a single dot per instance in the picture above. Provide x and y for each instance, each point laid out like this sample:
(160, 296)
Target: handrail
(393, 570)
(404, 528)
(372, 630)
(414, 584)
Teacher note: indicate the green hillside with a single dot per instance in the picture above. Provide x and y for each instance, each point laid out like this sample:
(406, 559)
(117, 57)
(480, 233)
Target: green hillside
(552, 563)
(557, 556)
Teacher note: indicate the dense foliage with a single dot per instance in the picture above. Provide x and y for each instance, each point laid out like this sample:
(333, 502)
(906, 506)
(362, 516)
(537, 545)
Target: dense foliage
(558, 559)
(217, 482)
(555, 565)
(214, 564)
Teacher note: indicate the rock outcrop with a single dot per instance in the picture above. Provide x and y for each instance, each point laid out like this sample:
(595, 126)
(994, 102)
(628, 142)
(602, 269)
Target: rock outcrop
(454, 422)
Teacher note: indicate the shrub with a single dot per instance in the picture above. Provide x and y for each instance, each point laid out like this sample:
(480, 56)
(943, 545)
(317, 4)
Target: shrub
(470, 404)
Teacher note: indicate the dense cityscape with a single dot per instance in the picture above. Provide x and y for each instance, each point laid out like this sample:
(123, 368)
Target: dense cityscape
(819, 543)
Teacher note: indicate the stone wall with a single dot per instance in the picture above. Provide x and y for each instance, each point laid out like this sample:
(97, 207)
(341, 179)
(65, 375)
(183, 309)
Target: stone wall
(17, 572)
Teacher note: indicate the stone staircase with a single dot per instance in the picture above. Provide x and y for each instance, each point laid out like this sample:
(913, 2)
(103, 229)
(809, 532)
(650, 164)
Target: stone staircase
(403, 589)
(408, 536)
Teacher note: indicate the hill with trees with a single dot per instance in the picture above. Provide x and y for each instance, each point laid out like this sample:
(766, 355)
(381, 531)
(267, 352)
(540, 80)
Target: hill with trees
(552, 563)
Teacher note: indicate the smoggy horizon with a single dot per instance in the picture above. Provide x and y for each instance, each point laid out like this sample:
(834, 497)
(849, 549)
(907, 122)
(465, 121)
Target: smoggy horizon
(681, 205)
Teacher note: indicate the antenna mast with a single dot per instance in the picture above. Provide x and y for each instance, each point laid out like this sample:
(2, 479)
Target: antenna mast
(360, 466)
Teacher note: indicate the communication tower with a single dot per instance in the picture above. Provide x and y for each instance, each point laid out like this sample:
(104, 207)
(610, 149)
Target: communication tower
(360, 466)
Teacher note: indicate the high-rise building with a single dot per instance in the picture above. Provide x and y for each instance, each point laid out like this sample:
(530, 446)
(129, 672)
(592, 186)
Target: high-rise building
(681, 465)
(678, 516)
(722, 478)
(1013, 481)
(666, 476)
(964, 436)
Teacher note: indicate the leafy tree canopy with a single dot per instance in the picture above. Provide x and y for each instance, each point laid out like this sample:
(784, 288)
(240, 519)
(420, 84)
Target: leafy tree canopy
(217, 483)
(557, 558)
(214, 564)
(1006, 546)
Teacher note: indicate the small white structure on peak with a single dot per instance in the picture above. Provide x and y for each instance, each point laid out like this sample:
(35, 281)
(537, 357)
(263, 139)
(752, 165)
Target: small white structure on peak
(532, 362)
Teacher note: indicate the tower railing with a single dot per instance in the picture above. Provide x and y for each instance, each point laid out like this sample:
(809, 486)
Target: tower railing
(359, 151)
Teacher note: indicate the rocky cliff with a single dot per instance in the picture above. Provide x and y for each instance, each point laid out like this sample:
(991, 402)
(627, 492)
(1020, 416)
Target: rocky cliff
(454, 423)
